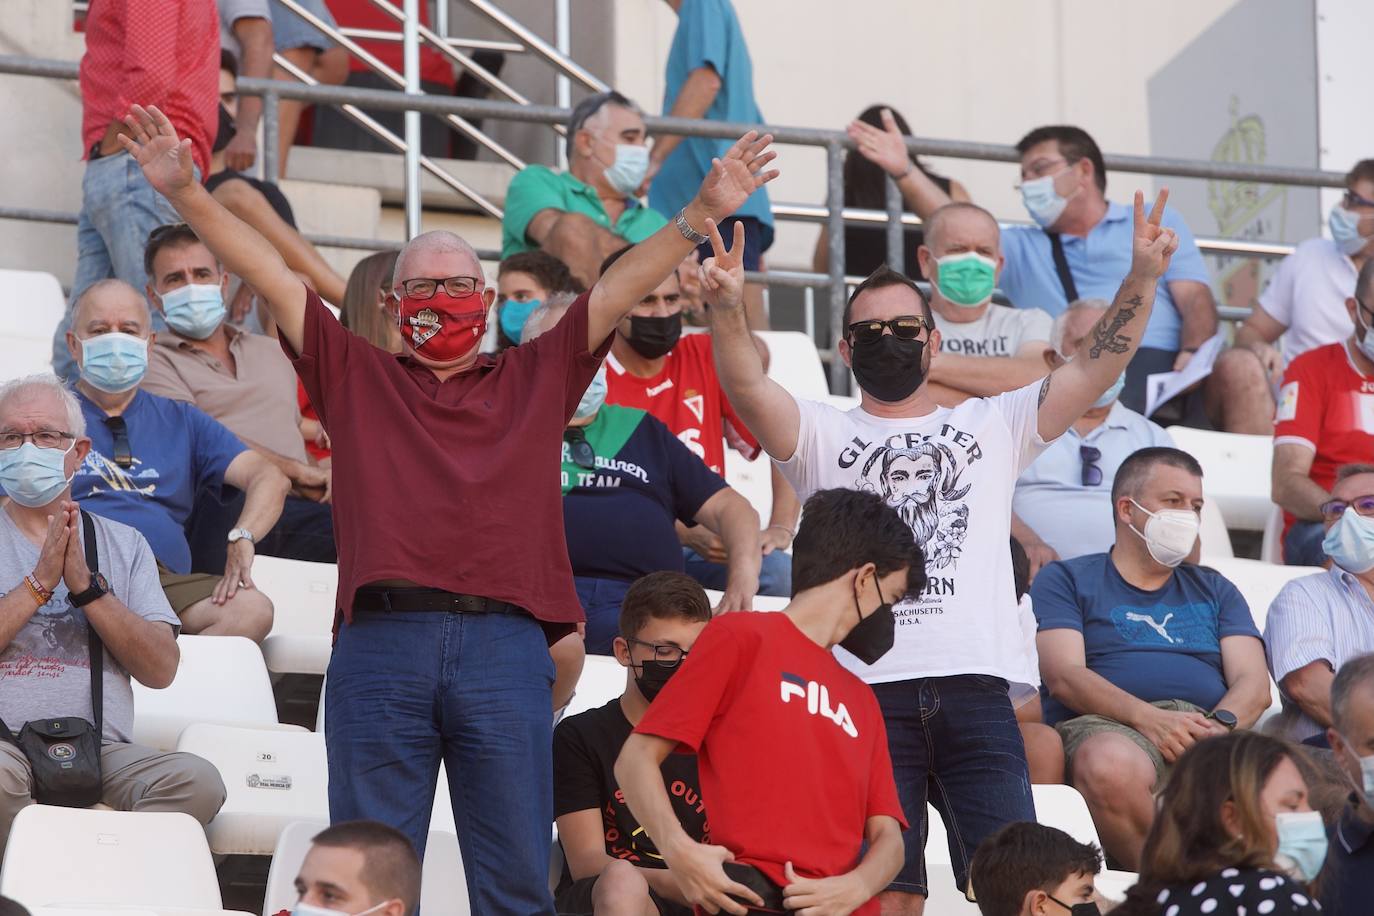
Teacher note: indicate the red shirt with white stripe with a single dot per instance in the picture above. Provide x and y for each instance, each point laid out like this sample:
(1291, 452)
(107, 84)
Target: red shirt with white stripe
(687, 397)
(152, 52)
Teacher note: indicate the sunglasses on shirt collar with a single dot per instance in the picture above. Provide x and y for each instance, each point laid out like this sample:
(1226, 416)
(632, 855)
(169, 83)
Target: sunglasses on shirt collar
(583, 455)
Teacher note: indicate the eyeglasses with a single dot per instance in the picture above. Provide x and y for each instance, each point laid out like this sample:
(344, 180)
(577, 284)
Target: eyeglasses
(903, 327)
(425, 288)
(583, 455)
(123, 453)
(1092, 474)
(664, 653)
(44, 438)
(1352, 199)
(1334, 509)
(1042, 167)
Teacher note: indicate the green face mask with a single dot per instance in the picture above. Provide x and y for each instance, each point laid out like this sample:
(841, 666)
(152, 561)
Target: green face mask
(966, 279)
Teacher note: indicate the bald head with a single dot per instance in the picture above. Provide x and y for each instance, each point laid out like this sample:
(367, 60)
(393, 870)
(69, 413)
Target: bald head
(962, 226)
(113, 304)
(437, 255)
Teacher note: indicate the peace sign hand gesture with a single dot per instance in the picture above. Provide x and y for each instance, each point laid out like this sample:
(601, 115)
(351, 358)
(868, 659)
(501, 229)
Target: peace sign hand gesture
(164, 157)
(1152, 246)
(722, 274)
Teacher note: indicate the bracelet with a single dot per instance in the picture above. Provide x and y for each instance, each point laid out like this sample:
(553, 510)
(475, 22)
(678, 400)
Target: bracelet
(784, 528)
(688, 233)
(40, 594)
(909, 166)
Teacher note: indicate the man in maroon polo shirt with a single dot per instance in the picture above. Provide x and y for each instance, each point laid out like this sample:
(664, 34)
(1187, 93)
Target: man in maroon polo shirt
(453, 571)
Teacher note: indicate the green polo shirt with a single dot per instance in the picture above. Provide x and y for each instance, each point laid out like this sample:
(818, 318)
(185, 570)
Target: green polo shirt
(537, 188)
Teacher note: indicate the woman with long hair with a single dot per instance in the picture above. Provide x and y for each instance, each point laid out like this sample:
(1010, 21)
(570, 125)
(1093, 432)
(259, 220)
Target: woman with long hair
(363, 310)
(865, 188)
(1234, 834)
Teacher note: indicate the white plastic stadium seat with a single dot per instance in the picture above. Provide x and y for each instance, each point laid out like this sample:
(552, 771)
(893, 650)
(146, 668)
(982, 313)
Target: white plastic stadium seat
(221, 680)
(273, 778)
(31, 305)
(1216, 540)
(1271, 548)
(443, 888)
(80, 857)
(1235, 473)
(303, 619)
(1258, 582)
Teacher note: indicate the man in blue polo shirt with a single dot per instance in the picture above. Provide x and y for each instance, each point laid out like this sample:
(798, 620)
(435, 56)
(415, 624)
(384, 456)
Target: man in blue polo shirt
(151, 455)
(1348, 881)
(709, 76)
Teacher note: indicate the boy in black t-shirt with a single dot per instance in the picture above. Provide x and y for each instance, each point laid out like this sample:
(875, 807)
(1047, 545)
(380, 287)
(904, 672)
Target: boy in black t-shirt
(612, 865)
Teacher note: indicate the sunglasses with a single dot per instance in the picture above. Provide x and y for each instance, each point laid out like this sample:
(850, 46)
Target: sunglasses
(1092, 474)
(1334, 509)
(123, 452)
(903, 327)
(1354, 200)
(583, 455)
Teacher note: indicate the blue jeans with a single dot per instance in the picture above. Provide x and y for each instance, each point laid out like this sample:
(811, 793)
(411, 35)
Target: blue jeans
(118, 211)
(758, 238)
(775, 575)
(1302, 545)
(601, 600)
(407, 690)
(955, 744)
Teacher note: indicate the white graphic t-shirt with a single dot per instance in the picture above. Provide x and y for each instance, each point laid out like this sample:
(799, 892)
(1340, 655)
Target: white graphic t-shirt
(999, 332)
(951, 475)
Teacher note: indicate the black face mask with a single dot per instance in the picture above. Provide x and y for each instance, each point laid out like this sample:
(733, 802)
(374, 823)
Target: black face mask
(227, 129)
(652, 676)
(873, 635)
(653, 336)
(1079, 909)
(889, 368)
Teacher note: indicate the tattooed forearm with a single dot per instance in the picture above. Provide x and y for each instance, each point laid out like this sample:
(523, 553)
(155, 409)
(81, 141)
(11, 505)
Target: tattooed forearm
(1107, 333)
(1044, 390)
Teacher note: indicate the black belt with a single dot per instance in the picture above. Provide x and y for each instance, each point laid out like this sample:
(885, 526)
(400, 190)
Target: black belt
(398, 600)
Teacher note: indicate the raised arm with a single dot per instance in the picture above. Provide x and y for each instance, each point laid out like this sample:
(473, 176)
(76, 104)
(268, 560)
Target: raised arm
(886, 148)
(1071, 389)
(766, 408)
(731, 180)
(166, 163)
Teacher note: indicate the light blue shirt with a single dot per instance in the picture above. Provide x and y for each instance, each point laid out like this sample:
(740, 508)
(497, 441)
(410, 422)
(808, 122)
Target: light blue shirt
(1098, 263)
(1327, 616)
(1050, 497)
(708, 34)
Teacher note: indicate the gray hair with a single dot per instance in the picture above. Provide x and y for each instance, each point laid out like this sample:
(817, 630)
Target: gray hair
(590, 107)
(553, 308)
(109, 284)
(436, 240)
(1355, 673)
(1061, 321)
(1353, 470)
(46, 381)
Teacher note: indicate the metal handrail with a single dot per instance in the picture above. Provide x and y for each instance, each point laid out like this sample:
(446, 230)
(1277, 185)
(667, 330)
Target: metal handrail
(538, 45)
(470, 44)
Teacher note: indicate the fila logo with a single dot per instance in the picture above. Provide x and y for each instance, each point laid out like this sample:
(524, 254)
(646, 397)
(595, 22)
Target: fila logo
(817, 698)
(697, 405)
(659, 389)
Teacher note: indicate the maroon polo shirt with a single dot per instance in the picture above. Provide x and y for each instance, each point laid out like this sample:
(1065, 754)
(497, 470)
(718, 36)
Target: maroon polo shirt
(455, 484)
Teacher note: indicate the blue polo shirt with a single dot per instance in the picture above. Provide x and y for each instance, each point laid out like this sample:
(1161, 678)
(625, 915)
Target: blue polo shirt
(1155, 645)
(1098, 263)
(1051, 497)
(1348, 879)
(708, 34)
(177, 449)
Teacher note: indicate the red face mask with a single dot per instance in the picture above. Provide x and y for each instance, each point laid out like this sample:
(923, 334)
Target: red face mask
(442, 327)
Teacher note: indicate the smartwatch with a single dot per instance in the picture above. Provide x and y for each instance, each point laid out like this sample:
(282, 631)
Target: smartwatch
(1225, 717)
(241, 534)
(98, 588)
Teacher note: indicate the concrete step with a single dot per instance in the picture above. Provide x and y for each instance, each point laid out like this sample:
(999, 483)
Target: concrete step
(385, 173)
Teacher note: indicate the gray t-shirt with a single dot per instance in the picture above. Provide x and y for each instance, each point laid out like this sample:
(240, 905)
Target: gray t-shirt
(45, 670)
(1000, 331)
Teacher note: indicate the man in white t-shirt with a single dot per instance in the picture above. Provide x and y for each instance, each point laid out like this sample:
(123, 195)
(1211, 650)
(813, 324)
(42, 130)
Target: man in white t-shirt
(950, 473)
(985, 349)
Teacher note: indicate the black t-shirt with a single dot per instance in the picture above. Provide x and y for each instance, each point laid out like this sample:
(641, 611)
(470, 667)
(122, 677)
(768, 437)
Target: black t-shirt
(585, 747)
(1237, 891)
(273, 193)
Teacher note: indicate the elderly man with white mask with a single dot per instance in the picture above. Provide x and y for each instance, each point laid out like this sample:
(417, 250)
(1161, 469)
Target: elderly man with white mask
(453, 569)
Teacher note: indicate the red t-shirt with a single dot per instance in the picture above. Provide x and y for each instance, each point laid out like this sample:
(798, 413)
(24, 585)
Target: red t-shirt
(453, 485)
(1326, 405)
(688, 398)
(791, 747)
(308, 412)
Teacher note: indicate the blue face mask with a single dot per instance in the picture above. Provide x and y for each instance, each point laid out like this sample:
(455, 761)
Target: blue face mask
(1112, 393)
(1345, 230)
(593, 397)
(34, 476)
(627, 173)
(114, 362)
(1042, 201)
(1302, 843)
(513, 317)
(195, 310)
(1350, 542)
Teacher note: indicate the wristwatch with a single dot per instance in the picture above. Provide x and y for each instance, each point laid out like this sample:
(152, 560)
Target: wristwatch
(241, 534)
(688, 233)
(1225, 717)
(98, 588)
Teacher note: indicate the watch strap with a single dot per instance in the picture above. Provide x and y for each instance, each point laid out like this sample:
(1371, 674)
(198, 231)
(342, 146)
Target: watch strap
(684, 227)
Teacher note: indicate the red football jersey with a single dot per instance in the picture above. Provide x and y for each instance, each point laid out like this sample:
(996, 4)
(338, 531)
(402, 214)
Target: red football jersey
(791, 747)
(1327, 405)
(688, 398)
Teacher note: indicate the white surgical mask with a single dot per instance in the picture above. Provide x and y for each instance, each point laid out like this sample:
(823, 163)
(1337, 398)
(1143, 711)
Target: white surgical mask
(1112, 393)
(1042, 201)
(631, 164)
(1350, 542)
(194, 310)
(1365, 342)
(306, 909)
(1345, 230)
(1170, 534)
(1302, 844)
(1366, 771)
(594, 397)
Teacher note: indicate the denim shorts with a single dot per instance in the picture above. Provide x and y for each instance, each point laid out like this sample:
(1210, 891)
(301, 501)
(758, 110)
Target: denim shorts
(291, 31)
(758, 238)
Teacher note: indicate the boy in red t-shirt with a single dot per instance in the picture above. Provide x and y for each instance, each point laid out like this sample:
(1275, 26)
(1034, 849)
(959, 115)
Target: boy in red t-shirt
(791, 747)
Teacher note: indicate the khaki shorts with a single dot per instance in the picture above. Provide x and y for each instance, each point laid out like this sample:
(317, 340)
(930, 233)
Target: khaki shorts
(1075, 731)
(182, 591)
